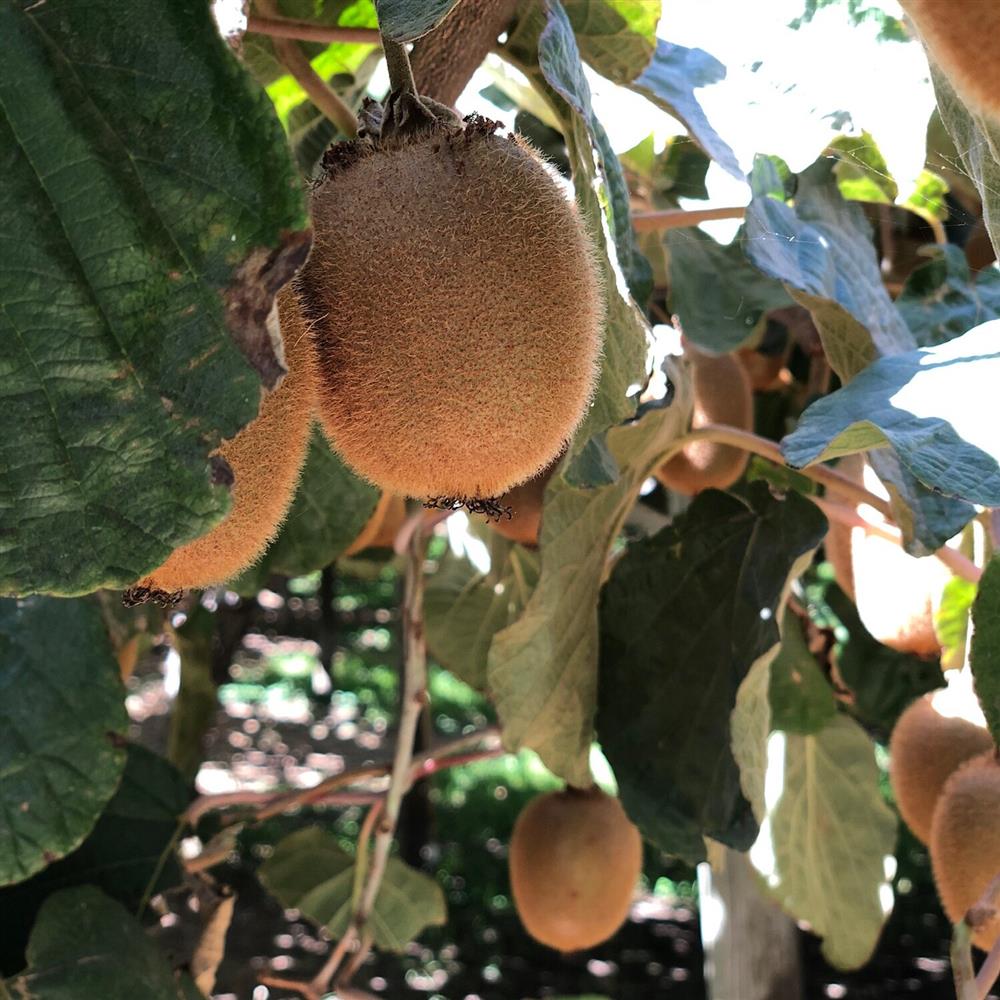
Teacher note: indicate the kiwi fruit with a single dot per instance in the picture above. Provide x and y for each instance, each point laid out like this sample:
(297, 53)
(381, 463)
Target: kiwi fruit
(722, 395)
(456, 309)
(128, 656)
(266, 458)
(897, 595)
(965, 841)
(381, 528)
(926, 747)
(521, 520)
(961, 38)
(574, 860)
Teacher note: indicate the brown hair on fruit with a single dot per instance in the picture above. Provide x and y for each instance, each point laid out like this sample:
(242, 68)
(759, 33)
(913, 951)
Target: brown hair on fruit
(266, 458)
(456, 307)
(574, 860)
(722, 395)
(381, 528)
(525, 505)
(926, 748)
(963, 38)
(965, 841)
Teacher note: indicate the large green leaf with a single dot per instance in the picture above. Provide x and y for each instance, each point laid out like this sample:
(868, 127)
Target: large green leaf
(129, 851)
(684, 617)
(830, 833)
(62, 729)
(405, 20)
(330, 508)
(616, 37)
(464, 609)
(719, 297)
(943, 299)
(148, 208)
(985, 652)
(801, 699)
(86, 946)
(670, 82)
(542, 670)
(309, 872)
(931, 405)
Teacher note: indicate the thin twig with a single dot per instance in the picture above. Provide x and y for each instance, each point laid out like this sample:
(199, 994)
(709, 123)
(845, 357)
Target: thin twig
(679, 218)
(318, 90)
(306, 31)
(989, 971)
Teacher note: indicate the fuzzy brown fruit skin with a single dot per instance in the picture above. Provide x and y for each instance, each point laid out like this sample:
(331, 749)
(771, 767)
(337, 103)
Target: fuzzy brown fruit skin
(457, 312)
(965, 841)
(381, 528)
(722, 395)
(574, 860)
(266, 458)
(525, 503)
(925, 749)
(963, 38)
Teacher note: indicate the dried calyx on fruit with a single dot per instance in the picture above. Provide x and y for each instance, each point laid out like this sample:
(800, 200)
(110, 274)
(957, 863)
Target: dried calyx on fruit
(455, 303)
(266, 458)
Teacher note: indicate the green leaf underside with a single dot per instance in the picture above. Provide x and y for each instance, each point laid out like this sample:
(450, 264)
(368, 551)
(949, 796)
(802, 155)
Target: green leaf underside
(86, 946)
(931, 405)
(985, 652)
(862, 173)
(406, 20)
(831, 832)
(128, 848)
(684, 617)
(720, 298)
(801, 699)
(330, 508)
(464, 609)
(670, 82)
(616, 37)
(951, 623)
(61, 714)
(141, 168)
(309, 872)
(542, 670)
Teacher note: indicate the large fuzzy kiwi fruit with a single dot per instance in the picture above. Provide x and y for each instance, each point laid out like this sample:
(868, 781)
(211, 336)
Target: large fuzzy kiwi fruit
(574, 860)
(965, 841)
(897, 595)
(266, 458)
(963, 38)
(456, 309)
(722, 395)
(925, 749)
(381, 528)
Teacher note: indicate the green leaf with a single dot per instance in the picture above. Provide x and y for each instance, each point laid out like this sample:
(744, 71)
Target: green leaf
(616, 37)
(309, 872)
(801, 699)
(862, 173)
(330, 508)
(928, 197)
(464, 609)
(720, 298)
(406, 20)
(750, 724)
(85, 946)
(984, 656)
(951, 623)
(129, 851)
(62, 726)
(684, 618)
(670, 82)
(150, 240)
(542, 670)
(943, 299)
(882, 681)
(929, 405)
(831, 832)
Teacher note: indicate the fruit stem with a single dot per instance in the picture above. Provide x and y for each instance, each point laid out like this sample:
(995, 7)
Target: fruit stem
(307, 31)
(397, 62)
(961, 962)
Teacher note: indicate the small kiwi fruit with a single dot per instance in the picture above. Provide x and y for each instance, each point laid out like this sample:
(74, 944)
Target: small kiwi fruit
(525, 505)
(722, 395)
(963, 38)
(574, 860)
(897, 595)
(266, 458)
(926, 747)
(965, 841)
(456, 309)
(381, 528)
